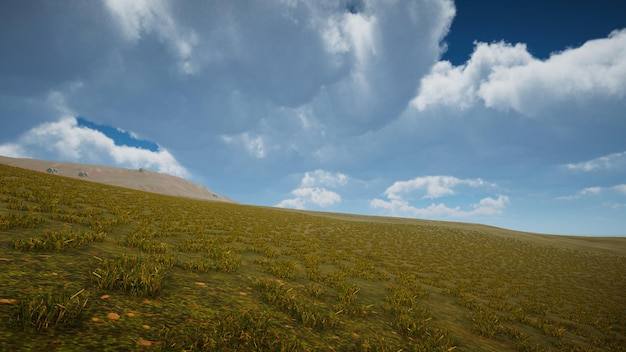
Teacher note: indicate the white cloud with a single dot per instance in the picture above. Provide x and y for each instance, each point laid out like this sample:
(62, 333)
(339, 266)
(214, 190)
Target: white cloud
(433, 186)
(430, 187)
(596, 191)
(507, 77)
(146, 16)
(607, 162)
(13, 150)
(323, 178)
(294, 203)
(65, 140)
(459, 86)
(591, 191)
(400, 207)
(318, 196)
(313, 190)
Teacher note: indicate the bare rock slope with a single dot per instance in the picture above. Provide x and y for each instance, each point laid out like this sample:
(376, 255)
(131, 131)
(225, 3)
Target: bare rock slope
(136, 179)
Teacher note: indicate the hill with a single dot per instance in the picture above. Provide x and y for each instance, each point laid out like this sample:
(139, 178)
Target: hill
(141, 179)
(90, 266)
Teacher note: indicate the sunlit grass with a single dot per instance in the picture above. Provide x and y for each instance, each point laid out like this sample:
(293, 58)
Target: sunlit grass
(57, 241)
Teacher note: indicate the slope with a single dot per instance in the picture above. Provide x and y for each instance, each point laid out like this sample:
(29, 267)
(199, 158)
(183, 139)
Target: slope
(86, 266)
(135, 179)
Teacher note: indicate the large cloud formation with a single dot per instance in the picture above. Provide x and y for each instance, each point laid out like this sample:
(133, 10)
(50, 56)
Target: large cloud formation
(506, 77)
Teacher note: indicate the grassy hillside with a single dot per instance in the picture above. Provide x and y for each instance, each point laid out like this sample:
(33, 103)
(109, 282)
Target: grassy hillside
(88, 266)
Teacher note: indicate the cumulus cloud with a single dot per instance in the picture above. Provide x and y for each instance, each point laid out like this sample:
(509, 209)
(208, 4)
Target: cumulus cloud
(506, 77)
(354, 70)
(590, 191)
(140, 17)
(459, 86)
(607, 162)
(351, 68)
(430, 187)
(65, 140)
(486, 206)
(323, 178)
(596, 191)
(313, 190)
(315, 195)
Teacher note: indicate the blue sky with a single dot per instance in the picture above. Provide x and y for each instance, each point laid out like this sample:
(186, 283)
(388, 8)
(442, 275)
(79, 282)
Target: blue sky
(472, 111)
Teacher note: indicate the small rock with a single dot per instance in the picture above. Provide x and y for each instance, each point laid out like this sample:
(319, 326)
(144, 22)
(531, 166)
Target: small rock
(113, 316)
(145, 342)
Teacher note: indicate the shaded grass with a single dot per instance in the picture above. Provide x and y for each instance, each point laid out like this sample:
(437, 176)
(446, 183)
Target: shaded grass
(235, 331)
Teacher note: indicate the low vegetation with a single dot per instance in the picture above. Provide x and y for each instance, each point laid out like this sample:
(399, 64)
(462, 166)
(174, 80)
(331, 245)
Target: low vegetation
(88, 266)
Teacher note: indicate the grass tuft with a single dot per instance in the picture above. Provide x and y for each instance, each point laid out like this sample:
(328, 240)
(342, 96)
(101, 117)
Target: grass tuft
(133, 274)
(50, 311)
(58, 241)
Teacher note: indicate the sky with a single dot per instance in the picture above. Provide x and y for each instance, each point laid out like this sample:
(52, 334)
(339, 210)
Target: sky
(510, 114)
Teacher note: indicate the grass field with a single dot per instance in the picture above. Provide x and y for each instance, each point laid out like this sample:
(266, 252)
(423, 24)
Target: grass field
(85, 266)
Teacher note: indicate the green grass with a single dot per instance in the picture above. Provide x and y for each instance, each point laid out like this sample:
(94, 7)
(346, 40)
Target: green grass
(87, 266)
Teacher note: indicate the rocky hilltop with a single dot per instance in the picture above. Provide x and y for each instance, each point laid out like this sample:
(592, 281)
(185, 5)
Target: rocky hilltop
(140, 179)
